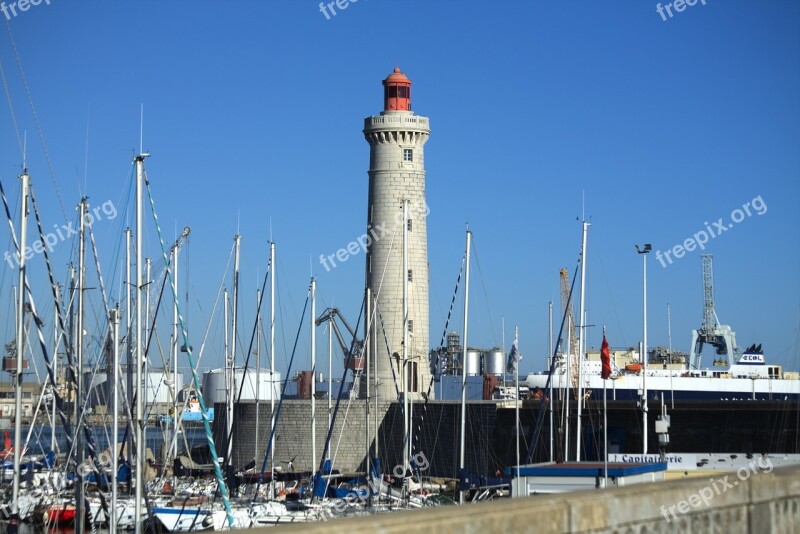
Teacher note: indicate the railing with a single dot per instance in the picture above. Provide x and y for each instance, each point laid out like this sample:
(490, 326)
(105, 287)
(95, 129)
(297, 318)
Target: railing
(398, 119)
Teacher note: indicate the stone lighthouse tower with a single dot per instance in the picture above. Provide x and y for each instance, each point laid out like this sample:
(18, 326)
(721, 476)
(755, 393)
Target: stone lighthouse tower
(396, 179)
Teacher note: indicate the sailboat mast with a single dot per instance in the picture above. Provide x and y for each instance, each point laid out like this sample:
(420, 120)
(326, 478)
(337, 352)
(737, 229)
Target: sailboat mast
(79, 489)
(234, 312)
(139, 423)
(581, 342)
(330, 372)
(128, 335)
(464, 371)
(377, 363)
(175, 414)
(54, 363)
(406, 422)
(377, 389)
(20, 343)
(114, 319)
(272, 366)
(145, 336)
(313, 371)
(73, 287)
(367, 325)
(228, 372)
(258, 366)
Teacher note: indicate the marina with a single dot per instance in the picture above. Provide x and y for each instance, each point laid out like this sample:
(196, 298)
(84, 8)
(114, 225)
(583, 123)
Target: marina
(202, 331)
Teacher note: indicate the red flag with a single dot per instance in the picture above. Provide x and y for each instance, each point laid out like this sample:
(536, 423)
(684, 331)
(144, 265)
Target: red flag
(605, 357)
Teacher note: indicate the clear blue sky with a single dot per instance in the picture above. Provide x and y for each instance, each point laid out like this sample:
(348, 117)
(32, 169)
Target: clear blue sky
(253, 116)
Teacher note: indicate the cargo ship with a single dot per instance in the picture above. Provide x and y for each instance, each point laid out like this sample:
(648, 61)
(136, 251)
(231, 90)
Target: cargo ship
(749, 377)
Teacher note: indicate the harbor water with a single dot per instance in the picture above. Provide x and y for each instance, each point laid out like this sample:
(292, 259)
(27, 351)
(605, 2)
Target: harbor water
(157, 438)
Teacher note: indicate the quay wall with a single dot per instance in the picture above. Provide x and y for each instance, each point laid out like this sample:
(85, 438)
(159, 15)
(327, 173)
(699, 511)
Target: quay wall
(764, 503)
(435, 432)
(703, 426)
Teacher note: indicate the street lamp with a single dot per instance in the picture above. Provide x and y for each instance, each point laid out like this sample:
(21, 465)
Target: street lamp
(646, 248)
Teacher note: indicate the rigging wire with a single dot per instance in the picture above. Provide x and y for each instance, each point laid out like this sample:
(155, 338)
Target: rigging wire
(485, 294)
(11, 110)
(43, 346)
(36, 120)
(543, 406)
(249, 352)
(53, 286)
(223, 489)
(280, 402)
(338, 401)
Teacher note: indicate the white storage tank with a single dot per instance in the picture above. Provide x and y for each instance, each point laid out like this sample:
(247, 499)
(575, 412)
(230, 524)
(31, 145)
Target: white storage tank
(473, 362)
(158, 386)
(494, 362)
(216, 383)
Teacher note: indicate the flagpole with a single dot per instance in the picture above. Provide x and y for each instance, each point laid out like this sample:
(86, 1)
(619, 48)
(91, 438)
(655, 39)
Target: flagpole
(515, 350)
(605, 435)
(605, 357)
(605, 428)
(550, 367)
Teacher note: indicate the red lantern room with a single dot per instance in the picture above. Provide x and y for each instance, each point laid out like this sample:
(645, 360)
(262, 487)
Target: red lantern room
(397, 92)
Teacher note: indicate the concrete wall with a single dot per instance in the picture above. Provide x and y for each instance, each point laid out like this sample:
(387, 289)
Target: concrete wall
(761, 503)
(293, 433)
(435, 429)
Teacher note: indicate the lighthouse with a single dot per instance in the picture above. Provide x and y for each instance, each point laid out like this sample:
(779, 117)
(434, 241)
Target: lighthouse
(397, 257)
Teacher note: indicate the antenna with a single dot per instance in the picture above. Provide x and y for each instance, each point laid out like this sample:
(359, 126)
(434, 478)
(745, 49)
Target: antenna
(86, 154)
(25, 151)
(141, 128)
(583, 204)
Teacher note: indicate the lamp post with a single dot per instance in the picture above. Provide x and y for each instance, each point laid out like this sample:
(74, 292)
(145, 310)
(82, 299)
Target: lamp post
(646, 248)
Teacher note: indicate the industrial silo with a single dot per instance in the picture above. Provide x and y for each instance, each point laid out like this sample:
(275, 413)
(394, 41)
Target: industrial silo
(494, 362)
(472, 364)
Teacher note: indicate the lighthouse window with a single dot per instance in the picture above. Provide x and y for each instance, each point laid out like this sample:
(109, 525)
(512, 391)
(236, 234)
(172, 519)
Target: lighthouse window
(410, 276)
(402, 92)
(410, 326)
(392, 91)
(412, 382)
(408, 154)
(409, 225)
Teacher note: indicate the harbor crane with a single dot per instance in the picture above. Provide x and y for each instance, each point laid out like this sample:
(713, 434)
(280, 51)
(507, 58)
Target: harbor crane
(719, 336)
(355, 361)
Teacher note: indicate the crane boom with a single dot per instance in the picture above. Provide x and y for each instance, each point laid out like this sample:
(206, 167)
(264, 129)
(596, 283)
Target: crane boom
(329, 315)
